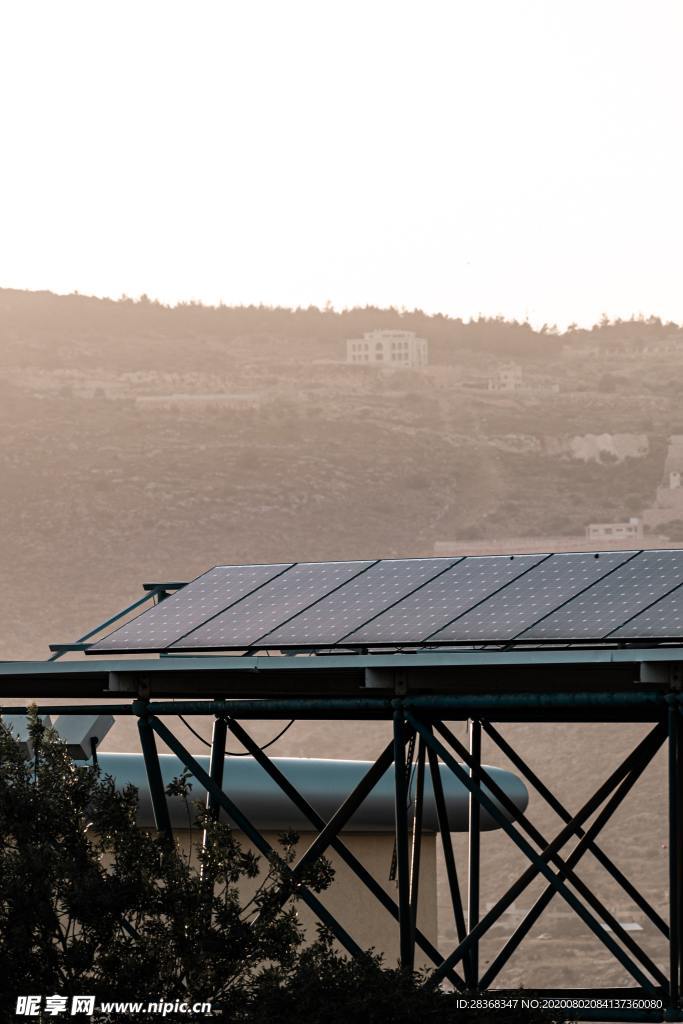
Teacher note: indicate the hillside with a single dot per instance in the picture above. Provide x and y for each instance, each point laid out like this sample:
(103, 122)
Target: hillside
(142, 443)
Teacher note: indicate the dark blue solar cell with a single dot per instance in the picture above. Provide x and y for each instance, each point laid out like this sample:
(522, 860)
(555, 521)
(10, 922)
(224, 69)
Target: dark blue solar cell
(607, 605)
(209, 594)
(455, 591)
(532, 596)
(248, 621)
(365, 596)
(662, 621)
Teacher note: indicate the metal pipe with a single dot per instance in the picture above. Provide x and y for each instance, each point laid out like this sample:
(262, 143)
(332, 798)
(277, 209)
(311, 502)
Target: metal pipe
(373, 707)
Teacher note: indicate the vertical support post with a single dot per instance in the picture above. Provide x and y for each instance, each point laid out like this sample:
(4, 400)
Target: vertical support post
(474, 850)
(679, 847)
(674, 855)
(216, 765)
(417, 842)
(448, 855)
(157, 790)
(217, 760)
(401, 820)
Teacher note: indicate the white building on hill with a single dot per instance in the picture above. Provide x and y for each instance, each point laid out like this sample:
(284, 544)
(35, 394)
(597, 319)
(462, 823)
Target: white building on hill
(388, 348)
(508, 378)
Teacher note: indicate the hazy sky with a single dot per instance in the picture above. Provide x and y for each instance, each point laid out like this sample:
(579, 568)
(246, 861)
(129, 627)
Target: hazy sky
(513, 157)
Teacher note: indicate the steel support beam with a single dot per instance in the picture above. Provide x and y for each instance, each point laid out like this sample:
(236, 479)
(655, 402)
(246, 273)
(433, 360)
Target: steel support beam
(401, 824)
(447, 846)
(217, 760)
(675, 892)
(336, 844)
(474, 850)
(538, 862)
(253, 834)
(647, 749)
(641, 703)
(157, 789)
(216, 768)
(543, 791)
(416, 850)
(577, 853)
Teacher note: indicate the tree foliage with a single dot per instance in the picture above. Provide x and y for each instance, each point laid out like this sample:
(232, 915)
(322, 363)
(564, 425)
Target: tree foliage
(92, 904)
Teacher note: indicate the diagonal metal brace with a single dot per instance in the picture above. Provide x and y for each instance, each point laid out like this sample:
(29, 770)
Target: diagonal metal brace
(538, 865)
(562, 812)
(252, 833)
(647, 749)
(336, 844)
(577, 853)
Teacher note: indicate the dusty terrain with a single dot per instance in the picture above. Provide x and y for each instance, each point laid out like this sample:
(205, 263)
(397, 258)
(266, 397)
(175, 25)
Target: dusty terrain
(139, 443)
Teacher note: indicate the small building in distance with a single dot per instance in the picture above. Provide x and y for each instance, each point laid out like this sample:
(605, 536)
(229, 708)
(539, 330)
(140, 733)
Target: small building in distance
(563, 543)
(388, 348)
(610, 532)
(508, 378)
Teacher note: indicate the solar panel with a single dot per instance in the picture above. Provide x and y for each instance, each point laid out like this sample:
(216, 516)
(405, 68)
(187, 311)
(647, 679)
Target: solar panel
(662, 620)
(212, 592)
(534, 598)
(530, 597)
(606, 605)
(362, 598)
(454, 592)
(246, 622)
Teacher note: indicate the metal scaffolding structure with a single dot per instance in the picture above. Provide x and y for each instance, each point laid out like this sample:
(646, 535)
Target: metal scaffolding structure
(419, 693)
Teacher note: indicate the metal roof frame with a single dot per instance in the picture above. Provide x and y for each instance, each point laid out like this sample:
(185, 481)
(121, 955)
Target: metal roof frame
(419, 692)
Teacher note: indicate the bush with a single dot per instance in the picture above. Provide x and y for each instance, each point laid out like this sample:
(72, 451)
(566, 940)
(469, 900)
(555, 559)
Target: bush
(362, 992)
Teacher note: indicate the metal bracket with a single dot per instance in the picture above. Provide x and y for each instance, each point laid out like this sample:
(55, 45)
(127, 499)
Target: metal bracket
(400, 683)
(667, 672)
(138, 683)
(387, 679)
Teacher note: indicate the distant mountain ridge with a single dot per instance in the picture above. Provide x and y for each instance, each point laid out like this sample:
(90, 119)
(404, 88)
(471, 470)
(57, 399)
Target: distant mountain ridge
(40, 311)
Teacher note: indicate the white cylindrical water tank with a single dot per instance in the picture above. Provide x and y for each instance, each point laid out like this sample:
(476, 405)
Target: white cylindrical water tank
(324, 783)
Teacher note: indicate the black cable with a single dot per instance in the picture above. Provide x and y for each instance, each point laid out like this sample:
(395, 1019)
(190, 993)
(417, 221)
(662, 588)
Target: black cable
(237, 753)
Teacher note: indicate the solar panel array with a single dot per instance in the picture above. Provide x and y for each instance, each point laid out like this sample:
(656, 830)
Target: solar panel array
(576, 597)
